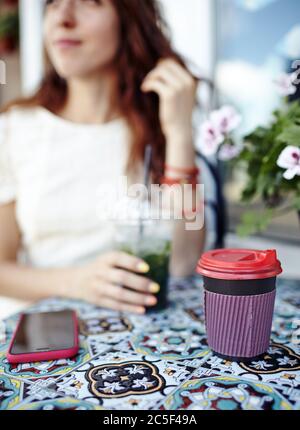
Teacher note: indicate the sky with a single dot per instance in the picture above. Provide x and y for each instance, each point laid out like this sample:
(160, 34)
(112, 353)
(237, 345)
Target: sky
(253, 29)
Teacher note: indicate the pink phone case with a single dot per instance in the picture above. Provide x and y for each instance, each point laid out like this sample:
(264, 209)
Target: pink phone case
(45, 355)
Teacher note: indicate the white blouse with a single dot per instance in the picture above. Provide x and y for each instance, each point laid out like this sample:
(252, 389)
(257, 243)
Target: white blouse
(52, 168)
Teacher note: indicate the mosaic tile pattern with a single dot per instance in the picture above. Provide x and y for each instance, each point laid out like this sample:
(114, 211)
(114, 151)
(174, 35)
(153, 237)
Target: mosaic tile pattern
(158, 361)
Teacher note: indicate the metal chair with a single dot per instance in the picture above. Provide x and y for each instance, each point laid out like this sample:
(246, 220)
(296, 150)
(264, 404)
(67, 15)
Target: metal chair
(218, 205)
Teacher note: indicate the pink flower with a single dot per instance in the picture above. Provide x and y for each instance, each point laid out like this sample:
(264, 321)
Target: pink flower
(290, 159)
(226, 119)
(285, 84)
(216, 129)
(211, 138)
(228, 152)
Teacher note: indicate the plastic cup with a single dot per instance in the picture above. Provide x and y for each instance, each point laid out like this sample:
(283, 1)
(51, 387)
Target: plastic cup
(153, 246)
(239, 297)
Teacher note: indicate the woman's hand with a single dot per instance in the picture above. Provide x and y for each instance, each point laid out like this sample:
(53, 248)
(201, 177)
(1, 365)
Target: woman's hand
(176, 89)
(110, 282)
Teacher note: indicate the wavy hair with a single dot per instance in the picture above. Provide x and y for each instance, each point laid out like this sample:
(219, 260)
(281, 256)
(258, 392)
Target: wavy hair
(144, 41)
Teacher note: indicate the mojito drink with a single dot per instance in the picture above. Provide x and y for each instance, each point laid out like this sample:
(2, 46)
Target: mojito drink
(154, 249)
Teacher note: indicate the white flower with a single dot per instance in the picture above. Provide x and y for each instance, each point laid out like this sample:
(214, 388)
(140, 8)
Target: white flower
(142, 383)
(225, 119)
(261, 365)
(112, 387)
(228, 152)
(286, 361)
(105, 373)
(290, 159)
(135, 369)
(285, 84)
(273, 350)
(210, 138)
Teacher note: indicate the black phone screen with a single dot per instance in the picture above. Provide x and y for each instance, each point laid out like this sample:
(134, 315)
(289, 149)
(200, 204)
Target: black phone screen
(47, 331)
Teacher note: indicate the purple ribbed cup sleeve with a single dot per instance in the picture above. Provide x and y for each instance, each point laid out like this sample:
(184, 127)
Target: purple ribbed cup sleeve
(239, 326)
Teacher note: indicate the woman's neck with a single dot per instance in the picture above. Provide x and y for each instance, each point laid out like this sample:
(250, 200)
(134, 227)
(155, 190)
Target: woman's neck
(90, 100)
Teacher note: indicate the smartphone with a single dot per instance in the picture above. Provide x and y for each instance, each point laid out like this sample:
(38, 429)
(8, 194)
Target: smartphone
(44, 336)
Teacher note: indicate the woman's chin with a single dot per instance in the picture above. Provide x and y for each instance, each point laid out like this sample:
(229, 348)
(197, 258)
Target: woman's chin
(71, 73)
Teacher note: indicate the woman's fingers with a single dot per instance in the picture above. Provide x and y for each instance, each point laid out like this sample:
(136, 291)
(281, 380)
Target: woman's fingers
(131, 280)
(178, 71)
(170, 73)
(163, 75)
(126, 261)
(121, 307)
(124, 295)
(157, 86)
(116, 271)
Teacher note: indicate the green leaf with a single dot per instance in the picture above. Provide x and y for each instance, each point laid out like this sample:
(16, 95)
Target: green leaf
(258, 133)
(296, 203)
(254, 222)
(290, 136)
(265, 180)
(249, 191)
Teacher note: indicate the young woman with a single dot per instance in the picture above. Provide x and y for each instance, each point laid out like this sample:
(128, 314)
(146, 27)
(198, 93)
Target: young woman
(112, 85)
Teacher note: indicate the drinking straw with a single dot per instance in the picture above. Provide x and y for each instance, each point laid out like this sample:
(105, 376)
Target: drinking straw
(147, 164)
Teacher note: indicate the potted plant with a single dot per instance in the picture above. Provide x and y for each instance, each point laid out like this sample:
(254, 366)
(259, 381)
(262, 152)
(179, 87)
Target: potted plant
(270, 156)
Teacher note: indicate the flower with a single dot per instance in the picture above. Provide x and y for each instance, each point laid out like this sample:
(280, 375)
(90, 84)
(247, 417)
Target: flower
(290, 159)
(211, 138)
(134, 369)
(286, 84)
(215, 131)
(142, 383)
(228, 151)
(261, 365)
(225, 119)
(286, 361)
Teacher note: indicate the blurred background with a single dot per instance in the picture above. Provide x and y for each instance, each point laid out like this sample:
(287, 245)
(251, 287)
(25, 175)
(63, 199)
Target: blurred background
(240, 46)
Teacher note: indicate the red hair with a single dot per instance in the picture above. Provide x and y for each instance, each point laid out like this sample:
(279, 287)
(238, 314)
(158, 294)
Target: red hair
(143, 43)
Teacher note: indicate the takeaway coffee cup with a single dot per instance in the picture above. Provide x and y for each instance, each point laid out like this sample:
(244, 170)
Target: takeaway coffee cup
(239, 297)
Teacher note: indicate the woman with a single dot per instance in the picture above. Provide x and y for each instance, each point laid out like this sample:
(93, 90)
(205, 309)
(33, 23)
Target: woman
(112, 85)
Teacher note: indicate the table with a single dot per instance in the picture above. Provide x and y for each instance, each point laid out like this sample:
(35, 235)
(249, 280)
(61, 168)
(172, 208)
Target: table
(159, 361)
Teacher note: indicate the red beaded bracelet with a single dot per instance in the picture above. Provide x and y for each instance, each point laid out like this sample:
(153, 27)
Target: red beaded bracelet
(179, 181)
(193, 171)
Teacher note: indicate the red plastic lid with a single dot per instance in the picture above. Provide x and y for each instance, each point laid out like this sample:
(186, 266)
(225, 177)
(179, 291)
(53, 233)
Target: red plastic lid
(239, 264)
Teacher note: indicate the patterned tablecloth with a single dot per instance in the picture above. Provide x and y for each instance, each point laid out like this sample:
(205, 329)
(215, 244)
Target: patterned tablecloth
(160, 361)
